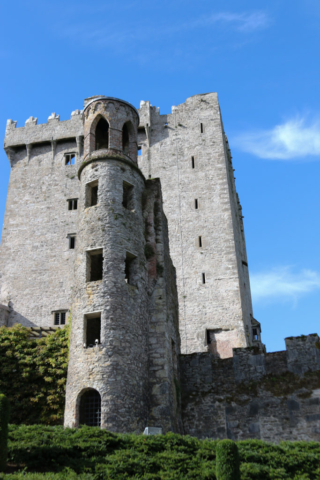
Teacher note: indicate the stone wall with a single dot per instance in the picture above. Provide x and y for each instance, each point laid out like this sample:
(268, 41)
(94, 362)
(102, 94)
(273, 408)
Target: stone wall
(189, 152)
(272, 397)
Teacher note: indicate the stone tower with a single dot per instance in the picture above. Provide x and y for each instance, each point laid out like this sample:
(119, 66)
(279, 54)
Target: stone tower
(188, 150)
(120, 274)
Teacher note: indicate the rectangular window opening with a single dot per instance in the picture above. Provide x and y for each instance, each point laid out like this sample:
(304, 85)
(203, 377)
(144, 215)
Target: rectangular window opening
(203, 278)
(127, 199)
(192, 162)
(200, 244)
(73, 204)
(196, 204)
(92, 330)
(255, 333)
(60, 318)
(92, 194)
(139, 151)
(70, 158)
(201, 127)
(72, 242)
(94, 265)
(130, 268)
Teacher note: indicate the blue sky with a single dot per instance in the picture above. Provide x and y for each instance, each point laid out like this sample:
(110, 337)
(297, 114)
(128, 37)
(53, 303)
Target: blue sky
(263, 60)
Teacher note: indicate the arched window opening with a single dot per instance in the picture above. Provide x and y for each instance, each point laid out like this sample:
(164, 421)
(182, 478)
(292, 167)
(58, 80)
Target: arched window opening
(102, 134)
(125, 139)
(90, 408)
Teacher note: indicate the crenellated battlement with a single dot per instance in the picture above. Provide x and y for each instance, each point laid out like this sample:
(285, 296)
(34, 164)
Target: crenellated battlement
(269, 396)
(53, 130)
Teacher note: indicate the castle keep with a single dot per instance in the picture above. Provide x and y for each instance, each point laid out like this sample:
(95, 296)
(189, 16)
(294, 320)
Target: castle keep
(127, 223)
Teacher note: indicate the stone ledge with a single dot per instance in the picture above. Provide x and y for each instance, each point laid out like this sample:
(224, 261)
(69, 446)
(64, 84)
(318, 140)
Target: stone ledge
(106, 155)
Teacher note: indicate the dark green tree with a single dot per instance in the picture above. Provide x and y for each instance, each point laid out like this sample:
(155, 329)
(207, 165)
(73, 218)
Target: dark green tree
(227, 461)
(4, 421)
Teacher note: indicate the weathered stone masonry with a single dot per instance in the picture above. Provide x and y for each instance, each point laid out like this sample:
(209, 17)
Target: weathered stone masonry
(273, 396)
(86, 239)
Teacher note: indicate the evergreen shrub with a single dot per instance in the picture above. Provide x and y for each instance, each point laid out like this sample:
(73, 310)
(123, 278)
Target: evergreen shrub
(40, 449)
(4, 422)
(33, 374)
(227, 461)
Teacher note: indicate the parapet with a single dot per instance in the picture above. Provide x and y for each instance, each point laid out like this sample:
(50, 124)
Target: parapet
(303, 353)
(251, 364)
(53, 130)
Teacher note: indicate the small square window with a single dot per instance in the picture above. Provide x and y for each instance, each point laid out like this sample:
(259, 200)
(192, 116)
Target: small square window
(92, 194)
(70, 158)
(73, 204)
(59, 318)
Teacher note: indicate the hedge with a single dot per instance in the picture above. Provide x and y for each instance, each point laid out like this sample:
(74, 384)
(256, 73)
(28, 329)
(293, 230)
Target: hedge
(33, 374)
(106, 455)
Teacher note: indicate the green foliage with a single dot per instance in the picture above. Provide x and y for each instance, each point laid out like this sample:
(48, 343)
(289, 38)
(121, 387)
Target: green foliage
(227, 461)
(33, 374)
(4, 422)
(92, 453)
(148, 251)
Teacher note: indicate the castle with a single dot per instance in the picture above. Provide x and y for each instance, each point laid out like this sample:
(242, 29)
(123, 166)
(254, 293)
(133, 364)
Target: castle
(127, 223)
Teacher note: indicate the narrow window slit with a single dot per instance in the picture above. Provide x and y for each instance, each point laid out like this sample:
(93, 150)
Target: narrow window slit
(127, 199)
(203, 278)
(201, 127)
(72, 242)
(196, 204)
(200, 243)
(192, 162)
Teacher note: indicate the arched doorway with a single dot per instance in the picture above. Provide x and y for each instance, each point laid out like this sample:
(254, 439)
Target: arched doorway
(90, 408)
(102, 134)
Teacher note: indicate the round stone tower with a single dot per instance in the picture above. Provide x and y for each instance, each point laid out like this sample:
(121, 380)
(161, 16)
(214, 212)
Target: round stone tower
(108, 362)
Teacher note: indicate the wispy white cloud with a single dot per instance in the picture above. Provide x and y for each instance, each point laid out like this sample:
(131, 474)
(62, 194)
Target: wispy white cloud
(243, 22)
(282, 284)
(294, 138)
(118, 36)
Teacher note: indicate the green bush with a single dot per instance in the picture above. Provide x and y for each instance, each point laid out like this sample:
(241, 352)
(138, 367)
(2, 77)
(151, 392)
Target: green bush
(92, 453)
(227, 461)
(33, 374)
(4, 422)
